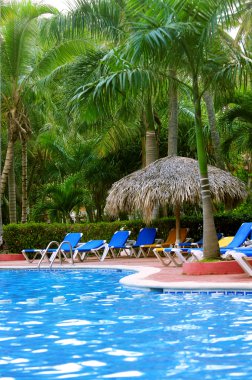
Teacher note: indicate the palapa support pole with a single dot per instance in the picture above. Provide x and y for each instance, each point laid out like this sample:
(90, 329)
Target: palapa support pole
(177, 217)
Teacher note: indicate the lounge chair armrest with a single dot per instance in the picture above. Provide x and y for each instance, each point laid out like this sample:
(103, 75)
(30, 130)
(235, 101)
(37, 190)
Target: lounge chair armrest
(195, 245)
(188, 240)
(53, 242)
(80, 244)
(130, 242)
(248, 243)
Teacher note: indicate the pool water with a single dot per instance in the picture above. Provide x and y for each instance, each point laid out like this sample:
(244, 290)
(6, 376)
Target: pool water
(68, 324)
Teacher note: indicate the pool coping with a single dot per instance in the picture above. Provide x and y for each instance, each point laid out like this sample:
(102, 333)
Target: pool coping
(139, 279)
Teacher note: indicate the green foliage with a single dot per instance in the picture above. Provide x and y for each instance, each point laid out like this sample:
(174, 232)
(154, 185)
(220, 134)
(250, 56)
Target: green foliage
(38, 235)
(59, 200)
(244, 210)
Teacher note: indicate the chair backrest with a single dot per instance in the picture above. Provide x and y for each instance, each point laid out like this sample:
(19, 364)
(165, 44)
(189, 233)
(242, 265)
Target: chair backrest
(73, 238)
(171, 238)
(241, 235)
(146, 236)
(119, 238)
(200, 242)
(183, 234)
(219, 236)
(223, 242)
(92, 244)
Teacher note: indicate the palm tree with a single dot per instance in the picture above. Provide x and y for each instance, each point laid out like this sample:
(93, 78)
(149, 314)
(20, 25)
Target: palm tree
(19, 27)
(209, 101)
(59, 200)
(236, 123)
(31, 56)
(1, 219)
(108, 22)
(188, 35)
(175, 34)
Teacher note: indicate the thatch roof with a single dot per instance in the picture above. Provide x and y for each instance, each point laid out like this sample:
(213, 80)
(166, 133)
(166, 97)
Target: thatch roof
(171, 180)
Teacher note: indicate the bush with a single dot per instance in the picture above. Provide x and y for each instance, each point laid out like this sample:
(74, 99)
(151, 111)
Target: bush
(38, 235)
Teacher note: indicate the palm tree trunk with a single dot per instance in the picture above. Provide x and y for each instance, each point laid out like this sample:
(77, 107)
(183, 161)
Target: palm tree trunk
(173, 116)
(250, 173)
(24, 181)
(143, 138)
(7, 166)
(1, 219)
(151, 140)
(208, 98)
(177, 217)
(12, 194)
(151, 147)
(211, 246)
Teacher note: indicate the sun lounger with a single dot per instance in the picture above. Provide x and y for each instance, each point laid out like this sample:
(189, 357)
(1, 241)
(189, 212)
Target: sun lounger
(242, 259)
(240, 237)
(145, 237)
(180, 254)
(113, 248)
(91, 246)
(197, 244)
(247, 251)
(242, 234)
(170, 241)
(224, 241)
(50, 253)
(174, 255)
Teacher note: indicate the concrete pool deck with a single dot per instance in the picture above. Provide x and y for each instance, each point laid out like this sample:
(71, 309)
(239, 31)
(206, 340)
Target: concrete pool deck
(150, 274)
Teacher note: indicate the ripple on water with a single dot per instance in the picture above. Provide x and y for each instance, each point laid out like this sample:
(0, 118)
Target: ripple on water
(102, 330)
(73, 322)
(126, 374)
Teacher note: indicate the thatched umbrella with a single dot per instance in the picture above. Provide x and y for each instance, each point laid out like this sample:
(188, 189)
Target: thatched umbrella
(171, 180)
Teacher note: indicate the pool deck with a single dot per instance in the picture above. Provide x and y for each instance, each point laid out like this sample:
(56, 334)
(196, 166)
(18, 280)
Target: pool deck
(151, 274)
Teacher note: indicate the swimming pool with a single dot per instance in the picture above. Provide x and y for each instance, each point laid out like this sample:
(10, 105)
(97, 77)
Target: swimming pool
(65, 324)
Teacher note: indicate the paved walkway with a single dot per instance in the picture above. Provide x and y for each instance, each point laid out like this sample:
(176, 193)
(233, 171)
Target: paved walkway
(151, 274)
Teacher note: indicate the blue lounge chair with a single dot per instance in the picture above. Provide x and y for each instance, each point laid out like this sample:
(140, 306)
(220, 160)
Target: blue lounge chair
(242, 259)
(172, 255)
(90, 247)
(70, 242)
(247, 251)
(145, 237)
(112, 248)
(197, 244)
(177, 255)
(243, 233)
(180, 254)
(116, 245)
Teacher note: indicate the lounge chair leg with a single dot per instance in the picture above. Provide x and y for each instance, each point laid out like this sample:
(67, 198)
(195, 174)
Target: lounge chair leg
(162, 260)
(105, 252)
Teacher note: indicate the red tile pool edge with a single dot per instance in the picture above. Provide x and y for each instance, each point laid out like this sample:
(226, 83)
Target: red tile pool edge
(220, 267)
(11, 256)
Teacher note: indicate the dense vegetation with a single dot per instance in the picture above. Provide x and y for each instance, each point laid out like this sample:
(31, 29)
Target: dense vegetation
(94, 94)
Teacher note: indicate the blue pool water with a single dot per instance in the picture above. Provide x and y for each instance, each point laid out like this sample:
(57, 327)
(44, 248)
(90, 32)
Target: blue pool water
(71, 324)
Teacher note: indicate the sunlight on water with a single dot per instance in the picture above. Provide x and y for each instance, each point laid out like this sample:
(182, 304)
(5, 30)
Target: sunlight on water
(69, 324)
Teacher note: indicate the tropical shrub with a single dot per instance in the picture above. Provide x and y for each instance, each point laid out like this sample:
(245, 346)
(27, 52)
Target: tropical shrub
(37, 235)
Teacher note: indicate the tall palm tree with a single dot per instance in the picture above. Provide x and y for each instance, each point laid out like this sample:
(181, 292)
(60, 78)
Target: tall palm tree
(19, 27)
(209, 101)
(188, 35)
(108, 22)
(236, 123)
(31, 56)
(176, 34)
